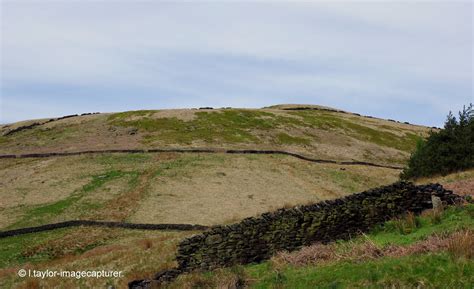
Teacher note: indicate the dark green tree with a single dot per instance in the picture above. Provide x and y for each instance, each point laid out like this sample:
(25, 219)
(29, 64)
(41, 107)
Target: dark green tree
(448, 150)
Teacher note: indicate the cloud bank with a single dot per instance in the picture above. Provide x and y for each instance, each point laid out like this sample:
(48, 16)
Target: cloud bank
(400, 60)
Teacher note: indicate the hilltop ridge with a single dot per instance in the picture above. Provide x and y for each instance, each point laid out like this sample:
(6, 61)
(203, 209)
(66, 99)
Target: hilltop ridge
(316, 131)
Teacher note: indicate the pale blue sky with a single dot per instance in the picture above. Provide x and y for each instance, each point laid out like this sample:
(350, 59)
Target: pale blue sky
(410, 61)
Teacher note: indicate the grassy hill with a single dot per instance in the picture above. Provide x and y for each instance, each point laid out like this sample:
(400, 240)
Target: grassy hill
(315, 131)
(181, 188)
(195, 188)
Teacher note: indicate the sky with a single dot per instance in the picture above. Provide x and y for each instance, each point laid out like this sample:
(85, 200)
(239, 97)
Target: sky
(409, 61)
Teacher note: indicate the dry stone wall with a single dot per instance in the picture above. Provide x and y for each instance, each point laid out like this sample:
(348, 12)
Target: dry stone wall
(258, 238)
(77, 223)
(197, 150)
(35, 124)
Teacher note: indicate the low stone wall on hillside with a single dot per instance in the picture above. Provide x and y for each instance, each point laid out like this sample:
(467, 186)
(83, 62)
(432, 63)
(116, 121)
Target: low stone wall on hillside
(258, 238)
(105, 224)
(35, 124)
(197, 150)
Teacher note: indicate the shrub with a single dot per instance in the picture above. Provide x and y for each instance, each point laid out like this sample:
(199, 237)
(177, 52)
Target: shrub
(448, 150)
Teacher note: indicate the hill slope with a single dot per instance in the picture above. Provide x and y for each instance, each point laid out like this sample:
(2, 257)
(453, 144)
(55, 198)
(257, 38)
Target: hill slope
(315, 131)
(169, 188)
(198, 188)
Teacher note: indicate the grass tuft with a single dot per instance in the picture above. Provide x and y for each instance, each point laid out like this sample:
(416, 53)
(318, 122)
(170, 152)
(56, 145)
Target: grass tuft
(146, 244)
(434, 216)
(462, 245)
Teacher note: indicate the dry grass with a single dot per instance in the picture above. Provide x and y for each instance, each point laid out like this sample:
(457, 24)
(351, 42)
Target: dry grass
(222, 279)
(313, 254)
(182, 114)
(434, 243)
(462, 187)
(139, 254)
(215, 189)
(123, 206)
(146, 244)
(31, 284)
(39, 181)
(433, 215)
(459, 244)
(326, 253)
(177, 188)
(73, 243)
(72, 134)
(461, 183)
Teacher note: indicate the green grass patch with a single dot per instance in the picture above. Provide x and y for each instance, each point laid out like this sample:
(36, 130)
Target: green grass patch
(11, 247)
(181, 167)
(239, 126)
(121, 116)
(331, 121)
(43, 135)
(125, 158)
(283, 138)
(3, 139)
(44, 213)
(231, 126)
(452, 219)
(345, 179)
(99, 180)
(428, 271)
(47, 134)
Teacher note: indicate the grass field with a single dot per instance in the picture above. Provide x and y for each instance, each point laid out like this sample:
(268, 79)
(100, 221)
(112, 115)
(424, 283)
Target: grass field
(170, 188)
